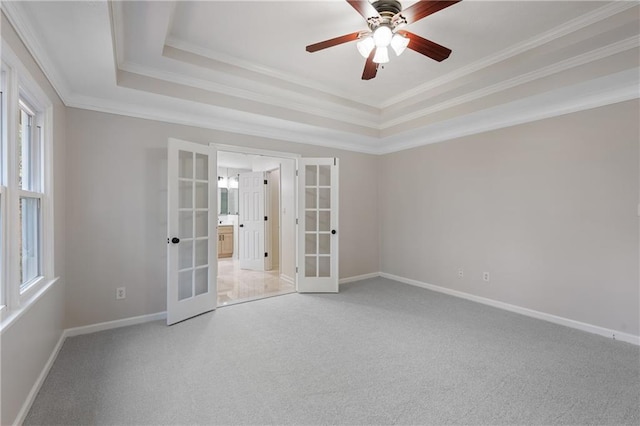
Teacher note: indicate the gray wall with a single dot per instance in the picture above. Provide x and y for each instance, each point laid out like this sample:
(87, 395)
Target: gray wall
(548, 208)
(116, 187)
(29, 341)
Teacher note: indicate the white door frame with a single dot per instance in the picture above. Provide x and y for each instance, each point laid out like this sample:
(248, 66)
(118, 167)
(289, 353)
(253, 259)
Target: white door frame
(275, 154)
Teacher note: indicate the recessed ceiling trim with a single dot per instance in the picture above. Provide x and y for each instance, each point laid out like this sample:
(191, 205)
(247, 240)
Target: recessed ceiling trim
(582, 59)
(611, 89)
(330, 110)
(539, 40)
(233, 121)
(231, 75)
(117, 32)
(259, 69)
(607, 90)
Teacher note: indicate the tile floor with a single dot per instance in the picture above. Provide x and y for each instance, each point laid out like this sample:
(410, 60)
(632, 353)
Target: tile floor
(237, 285)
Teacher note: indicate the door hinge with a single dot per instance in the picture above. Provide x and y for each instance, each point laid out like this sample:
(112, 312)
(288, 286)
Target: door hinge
(296, 172)
(265, 181)
(265, 218)
(296, 269)
(334, 161)
(266, 255)
(296, 221)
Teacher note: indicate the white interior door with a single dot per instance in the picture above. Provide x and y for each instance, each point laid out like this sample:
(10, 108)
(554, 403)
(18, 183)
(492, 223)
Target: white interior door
(192, 217)
(318, 225)
(251, 244)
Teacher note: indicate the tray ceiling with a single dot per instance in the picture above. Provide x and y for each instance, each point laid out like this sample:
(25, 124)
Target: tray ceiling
(241, 66)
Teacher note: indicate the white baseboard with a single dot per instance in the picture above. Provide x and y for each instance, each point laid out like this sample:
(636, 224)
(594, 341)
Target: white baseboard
(22, 414)
(358, 277)
(287, 279)
(77, 331)
(86, 329)
(589, 328)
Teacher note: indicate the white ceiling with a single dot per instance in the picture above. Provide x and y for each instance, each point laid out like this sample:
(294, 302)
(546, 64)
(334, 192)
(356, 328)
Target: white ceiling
(241, 66)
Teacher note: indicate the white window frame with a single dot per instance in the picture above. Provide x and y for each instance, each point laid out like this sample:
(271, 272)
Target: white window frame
(3, 192)
(19, 84)
(36, 131)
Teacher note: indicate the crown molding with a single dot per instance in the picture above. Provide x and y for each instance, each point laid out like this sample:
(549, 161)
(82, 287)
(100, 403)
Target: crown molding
(619, 87)
(575, 61)
(329, 110)
(611, 89)
(15, 13)
(232, 121)
(539, 40)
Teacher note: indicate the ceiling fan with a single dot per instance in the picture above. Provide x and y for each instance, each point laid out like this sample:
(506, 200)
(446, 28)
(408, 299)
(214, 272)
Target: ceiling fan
(385, 19)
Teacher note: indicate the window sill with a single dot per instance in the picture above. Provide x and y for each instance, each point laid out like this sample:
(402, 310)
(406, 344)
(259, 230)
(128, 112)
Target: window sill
(28, 298)
(31, 288)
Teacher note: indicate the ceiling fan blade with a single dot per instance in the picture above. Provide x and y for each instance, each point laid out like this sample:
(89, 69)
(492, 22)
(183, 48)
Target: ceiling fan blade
(370, 68)
(364, 8)
(426, 47)
(333, 42)
(423, 9)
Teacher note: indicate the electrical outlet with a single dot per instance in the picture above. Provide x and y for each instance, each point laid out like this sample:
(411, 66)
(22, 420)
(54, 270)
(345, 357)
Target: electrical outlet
(121, 293)
(485, 276)
(460, 273)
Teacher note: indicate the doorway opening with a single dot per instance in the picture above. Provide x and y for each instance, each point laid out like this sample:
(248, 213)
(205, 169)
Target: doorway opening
(256, 226)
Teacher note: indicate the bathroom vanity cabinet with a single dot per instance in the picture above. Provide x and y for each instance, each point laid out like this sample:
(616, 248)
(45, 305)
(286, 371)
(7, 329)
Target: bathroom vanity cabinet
(225, 240)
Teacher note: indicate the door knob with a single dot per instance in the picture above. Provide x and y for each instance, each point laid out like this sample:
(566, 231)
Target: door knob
(241, 225)
(175, 240)
(333, 231)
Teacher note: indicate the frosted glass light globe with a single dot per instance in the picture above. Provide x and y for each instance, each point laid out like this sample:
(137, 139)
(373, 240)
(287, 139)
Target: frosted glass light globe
(399, 43)
(382, 36)
(365, 46)
(381, 56)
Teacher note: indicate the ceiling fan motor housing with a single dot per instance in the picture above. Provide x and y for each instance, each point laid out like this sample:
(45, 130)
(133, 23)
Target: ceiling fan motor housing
(389, 14)
(387, 8)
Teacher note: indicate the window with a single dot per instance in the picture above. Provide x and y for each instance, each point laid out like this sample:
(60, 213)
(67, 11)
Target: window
(29, 170)
(26, 214)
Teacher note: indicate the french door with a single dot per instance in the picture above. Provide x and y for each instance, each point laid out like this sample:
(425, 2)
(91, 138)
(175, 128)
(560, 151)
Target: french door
(318, 225)
(192, 218)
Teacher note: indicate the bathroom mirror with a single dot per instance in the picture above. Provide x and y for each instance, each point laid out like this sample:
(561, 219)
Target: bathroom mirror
(228, 196)
(223, 204)
(228, 180)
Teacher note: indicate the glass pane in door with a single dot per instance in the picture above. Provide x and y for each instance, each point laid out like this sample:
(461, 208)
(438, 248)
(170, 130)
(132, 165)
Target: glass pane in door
(201, 280)
(317, 241)
(184, 284)
(325, 175)
(185, 164)
(310, 266)
(202, 167)
(193, 215)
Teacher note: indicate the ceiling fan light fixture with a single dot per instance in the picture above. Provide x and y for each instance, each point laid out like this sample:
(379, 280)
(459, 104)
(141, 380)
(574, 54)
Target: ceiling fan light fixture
(381, 56)
(365, 46)
(382, 36)
(399, 43)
